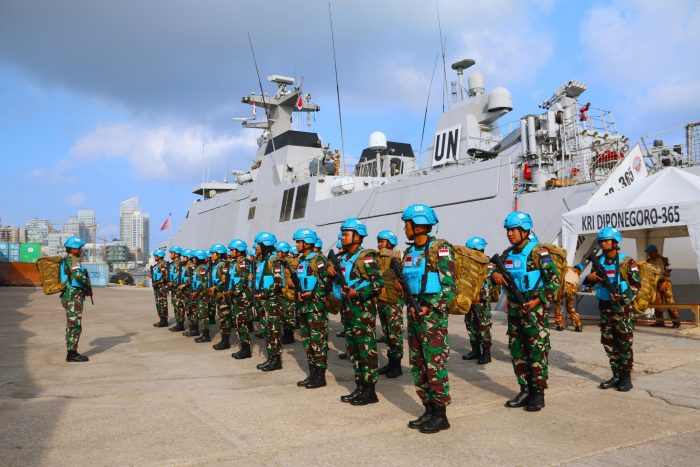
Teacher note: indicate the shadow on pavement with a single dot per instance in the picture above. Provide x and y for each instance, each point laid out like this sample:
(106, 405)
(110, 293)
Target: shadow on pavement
(102, 344)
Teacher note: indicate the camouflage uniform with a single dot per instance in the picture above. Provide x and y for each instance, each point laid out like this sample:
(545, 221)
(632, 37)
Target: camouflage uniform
(72, 299)
(313, 313)
(241, 302)
(391, 319)
(176, 296)
(190, 303)
(478, 320)
(528, 331)
(270, 306)
(568, 291)
(361, 318)
(428, 344)
(200, 297)
(664, 290)
(220, 272)
(160, 287)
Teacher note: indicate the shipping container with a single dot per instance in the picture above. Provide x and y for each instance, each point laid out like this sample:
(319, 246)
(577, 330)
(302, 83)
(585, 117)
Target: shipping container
(19, 274)
(29, 252)
(99, 273)
(13, 254)
(4, 252)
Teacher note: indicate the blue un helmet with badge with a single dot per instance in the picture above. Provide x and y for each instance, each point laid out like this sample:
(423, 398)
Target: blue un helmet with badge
(306, 236)
(218, 248)
(175, 249)
(237, 244)
(74, 242)
(319, 243)
(609, 233)
(265, 238)
(354, 224)
(518, 219)
(420, 214)
(201, 254)
(282, 246)
(389, 236)
(159, 253)
(476, 243)
(187, 253)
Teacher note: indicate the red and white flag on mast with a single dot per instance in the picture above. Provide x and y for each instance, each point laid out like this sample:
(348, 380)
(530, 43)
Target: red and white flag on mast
(166, 223)
(300, 100)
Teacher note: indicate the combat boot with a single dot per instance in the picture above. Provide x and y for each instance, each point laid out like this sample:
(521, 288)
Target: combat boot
(163, 322)
(318, 379)
(420, 421)
(192, 331)
(224, 343)
(351, 397)
(275, 364)
(343, 355)
(287, 336)
(341, 333)
(204, 337)
(625, 380)
(612, 382)
(74, 356)
(559, 327)
(212, 319)
(265, 363)
(536, 401)
(367, 396)
(485, 356)
(578, 328)
(304, 381)
(438, 421)
(521, 399)
(383, 370)
(243, 352)
(394, 368)
(179, 326)
(475, 353)
(383, 340)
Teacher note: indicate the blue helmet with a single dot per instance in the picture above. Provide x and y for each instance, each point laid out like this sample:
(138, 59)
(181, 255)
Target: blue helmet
(476, 243)
(339, 244)
(159, 253)
(354, 224)
(175, 249)
(319, 243)
(340, 235)
(610, 233)
(201, 254)
(284, 247)
(420, 214)
(237, 244)
(518, 219)
(580, 266)
(533, 237)
(306, 236)
(251, 252)
(218, 248)
(651, 248)
(73, 242)
(187, 253)
(266, 238)
(389, 236)
(293, 250)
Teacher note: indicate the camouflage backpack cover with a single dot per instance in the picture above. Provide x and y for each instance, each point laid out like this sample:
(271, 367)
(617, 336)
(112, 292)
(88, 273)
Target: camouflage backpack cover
(290, 264)
(389, 294)
(50, 274)
(649, 276)
(558, 255)
(471, 268)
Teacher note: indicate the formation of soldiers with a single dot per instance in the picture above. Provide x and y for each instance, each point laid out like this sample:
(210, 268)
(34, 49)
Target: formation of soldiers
(282, 287)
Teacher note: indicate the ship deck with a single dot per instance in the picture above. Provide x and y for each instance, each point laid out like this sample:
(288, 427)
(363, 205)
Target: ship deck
(152, 397)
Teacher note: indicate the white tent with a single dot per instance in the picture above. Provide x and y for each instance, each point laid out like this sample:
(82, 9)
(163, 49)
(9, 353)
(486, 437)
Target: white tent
(666, 204)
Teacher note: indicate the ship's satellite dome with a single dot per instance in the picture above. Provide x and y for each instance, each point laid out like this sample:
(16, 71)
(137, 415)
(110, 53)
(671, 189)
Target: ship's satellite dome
(377, 141)
(500, 99)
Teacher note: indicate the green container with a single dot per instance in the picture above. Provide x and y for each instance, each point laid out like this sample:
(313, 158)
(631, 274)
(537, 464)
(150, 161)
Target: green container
(29, 252)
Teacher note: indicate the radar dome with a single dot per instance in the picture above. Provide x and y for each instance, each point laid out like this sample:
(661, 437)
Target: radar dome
(377, 141)
(476, 83)
(500, 99)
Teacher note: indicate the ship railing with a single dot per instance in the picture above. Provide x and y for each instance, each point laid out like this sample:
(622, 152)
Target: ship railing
(600, 121)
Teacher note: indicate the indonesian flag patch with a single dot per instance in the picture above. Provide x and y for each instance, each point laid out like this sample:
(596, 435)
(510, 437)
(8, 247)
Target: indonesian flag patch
(509, 264)
(278, 269)
(634, 268)
(320, 264)
(300, 267)
(443, 252)
(368, 260)
(408, 260)
(611, 274)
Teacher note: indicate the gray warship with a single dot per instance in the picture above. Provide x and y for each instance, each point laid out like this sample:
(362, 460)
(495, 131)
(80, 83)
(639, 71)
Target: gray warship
(476, 169)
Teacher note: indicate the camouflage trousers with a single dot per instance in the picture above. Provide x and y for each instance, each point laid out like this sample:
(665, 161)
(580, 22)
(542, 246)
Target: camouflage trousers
(391, 319)
(479, 323)
(428, 351)
(313, 317)
(223, 306)
(528, 342)
(161, 295)
(616, 334)
(177, 299)
(664, 294)
(360, 321)
(242, 311)
(271, 324)
(201, 314)
(191, 309)
(569, 295)
(72, 300)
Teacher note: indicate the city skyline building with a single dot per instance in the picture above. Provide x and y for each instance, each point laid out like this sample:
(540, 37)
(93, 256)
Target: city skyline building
(13, 234)
(87, 218)
(126, 209)
(38, 231)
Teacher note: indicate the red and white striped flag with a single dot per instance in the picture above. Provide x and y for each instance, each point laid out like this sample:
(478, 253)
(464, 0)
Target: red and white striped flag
(166, 224)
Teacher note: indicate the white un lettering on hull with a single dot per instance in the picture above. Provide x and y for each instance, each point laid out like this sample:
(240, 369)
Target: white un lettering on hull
(446, 145)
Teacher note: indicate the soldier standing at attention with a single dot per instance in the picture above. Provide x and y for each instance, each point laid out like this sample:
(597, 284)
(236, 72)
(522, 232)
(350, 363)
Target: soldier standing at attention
(478, 320)
(268, 287)
(664, 289)
(287, 299)
(239, 290)
(174, 276)
(569, 290)
(536, 277)
(390, 306)
(429, 269)
(363, 282)
(199, 284)
(220, 280)
(77, 282)
(159, 281)
(314, 285)
(616, 330)
(188, 275)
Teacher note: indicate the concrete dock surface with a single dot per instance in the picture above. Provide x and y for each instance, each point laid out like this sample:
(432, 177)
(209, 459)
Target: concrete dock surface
(152, 397)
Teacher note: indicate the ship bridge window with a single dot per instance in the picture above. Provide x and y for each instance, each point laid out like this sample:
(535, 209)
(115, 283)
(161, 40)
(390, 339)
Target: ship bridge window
(300, 203)
(286, 209)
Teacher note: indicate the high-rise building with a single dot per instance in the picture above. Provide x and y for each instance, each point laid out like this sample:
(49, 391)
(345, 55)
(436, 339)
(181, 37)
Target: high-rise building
(87, 218)
(140, 231)
(126, 209)
(13, 234)
(38, 231)
(75, 228)
(54, 243)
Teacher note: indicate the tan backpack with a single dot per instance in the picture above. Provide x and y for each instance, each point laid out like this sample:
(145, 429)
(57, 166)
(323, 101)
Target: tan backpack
(290, 264)
(558, 255)
(471, 268)
(389, 294)
(649, 276)
(50, 274)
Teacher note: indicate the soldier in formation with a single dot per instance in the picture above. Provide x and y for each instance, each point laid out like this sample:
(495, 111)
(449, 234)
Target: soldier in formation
(77, 283)
(478, 320)
(159, 280)
(269, 279)
(176, 296)
(390, 305)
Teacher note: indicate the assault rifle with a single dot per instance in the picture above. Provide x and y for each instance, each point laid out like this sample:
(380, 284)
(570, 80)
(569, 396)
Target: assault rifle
(339, 278)
(88, 292)
(512, 289)
(253, 288)
(593, 258)
(411, 301)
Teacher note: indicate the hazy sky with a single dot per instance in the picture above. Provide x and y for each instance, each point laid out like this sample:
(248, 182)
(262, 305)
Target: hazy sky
(105, 100)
